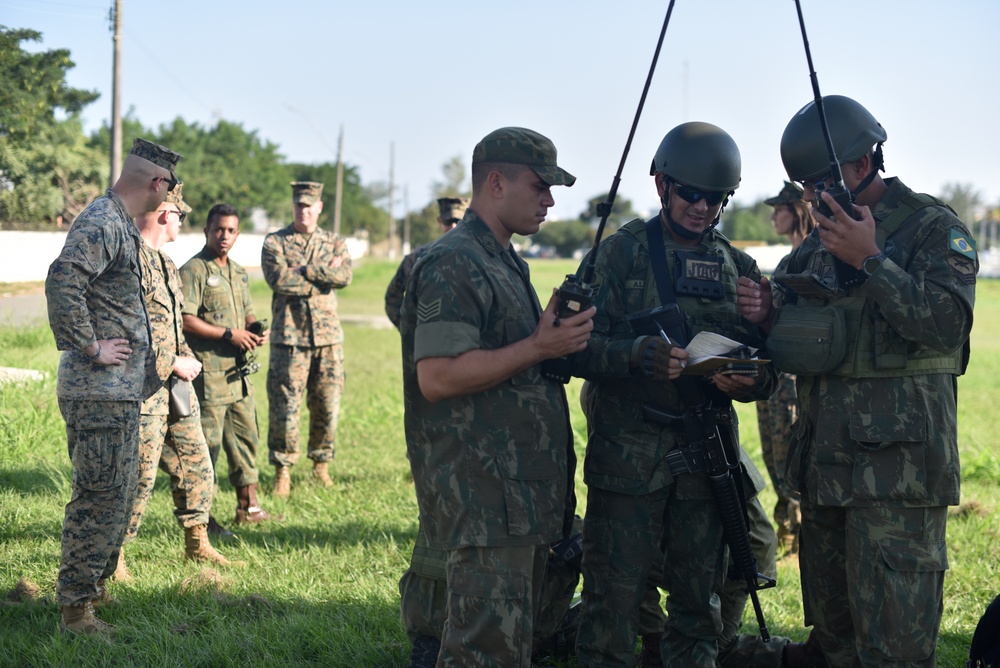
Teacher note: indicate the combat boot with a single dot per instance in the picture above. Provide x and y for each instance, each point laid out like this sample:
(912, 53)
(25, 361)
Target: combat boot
(424, 652)
(217, 530)
(80, 619)
(651, 657)
(321, 475)
(104, 596)
(804, 654)
(197, 547)
(121, 570)
(248, 509)
(282, 482)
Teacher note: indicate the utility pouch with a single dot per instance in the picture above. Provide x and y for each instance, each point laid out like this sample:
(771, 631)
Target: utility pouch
(180, 397)
(808, 340)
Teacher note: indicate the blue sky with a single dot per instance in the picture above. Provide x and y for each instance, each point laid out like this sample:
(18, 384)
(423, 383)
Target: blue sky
(434, 77)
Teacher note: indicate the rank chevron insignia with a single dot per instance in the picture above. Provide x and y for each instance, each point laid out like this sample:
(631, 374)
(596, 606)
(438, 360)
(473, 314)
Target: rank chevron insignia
(427, 312)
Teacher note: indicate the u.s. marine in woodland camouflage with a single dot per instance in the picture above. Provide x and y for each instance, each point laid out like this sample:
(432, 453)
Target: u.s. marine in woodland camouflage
(875, 450)
(99, 320)
(450, 212)
(174, 442)
(305, 266)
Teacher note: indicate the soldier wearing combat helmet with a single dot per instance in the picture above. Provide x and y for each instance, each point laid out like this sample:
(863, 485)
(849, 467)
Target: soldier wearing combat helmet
(875, 450)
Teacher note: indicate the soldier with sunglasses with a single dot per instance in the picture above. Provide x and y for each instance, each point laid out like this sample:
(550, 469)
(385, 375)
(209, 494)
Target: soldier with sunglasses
(651, 516)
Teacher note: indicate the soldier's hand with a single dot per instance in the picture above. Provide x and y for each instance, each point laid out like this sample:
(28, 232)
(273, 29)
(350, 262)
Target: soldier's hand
(658, 359)
(245, 340)
(558, 337)
(735, 386)
(754, 299)
(186, 368)
(110, 352)
(850, 240)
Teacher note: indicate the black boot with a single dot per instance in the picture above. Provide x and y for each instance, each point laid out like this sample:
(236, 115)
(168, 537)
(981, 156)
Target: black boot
(216, 530)
(425, 652)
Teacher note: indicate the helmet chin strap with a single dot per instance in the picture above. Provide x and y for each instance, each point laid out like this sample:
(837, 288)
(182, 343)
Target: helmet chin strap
(877, 166)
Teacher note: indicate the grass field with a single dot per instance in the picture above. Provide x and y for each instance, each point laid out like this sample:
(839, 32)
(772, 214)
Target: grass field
(320, 588)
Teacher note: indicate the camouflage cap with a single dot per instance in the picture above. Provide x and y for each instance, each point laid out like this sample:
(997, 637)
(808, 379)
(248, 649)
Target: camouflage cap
(161, 156)
(306, 192)
(520, 146)
(452, 208)
(177, 199)
(790, 193)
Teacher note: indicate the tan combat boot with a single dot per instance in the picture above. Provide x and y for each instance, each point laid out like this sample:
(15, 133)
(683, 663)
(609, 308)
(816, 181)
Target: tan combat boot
(248, 510)
(104, 596)
(197, 547)
(282, 482)
(121, 570)
(321, 475)
(80, 619)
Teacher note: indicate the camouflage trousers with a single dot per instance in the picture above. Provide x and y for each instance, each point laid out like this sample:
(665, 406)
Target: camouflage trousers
(233, 428)
(622, 540)
(423, 593)
(176, 445)
(493, 593)
(736, 650)
(873, 582)
(103, 439)
(319, 374)
(774, 421)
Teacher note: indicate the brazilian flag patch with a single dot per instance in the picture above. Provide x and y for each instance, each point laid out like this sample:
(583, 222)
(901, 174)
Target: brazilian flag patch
(962, 243)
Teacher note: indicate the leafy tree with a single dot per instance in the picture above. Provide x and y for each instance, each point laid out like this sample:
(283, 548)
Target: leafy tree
(565, 235)
(358, 211)
(453, 183)
(749, 223)
(621, 212)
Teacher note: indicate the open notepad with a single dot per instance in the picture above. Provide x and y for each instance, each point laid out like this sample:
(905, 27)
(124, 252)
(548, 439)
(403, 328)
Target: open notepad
(713, 353)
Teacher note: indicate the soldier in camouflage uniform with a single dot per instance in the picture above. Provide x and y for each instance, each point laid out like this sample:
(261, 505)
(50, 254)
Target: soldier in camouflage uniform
(640, 496)
(488, 436)
(218, 319)
(451, 210)
(175, 442)
(305, 266)
(792, 218)
(875, 450)
(107, 368)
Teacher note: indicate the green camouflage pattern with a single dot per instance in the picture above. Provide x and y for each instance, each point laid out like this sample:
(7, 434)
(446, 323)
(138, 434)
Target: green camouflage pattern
(317, 373)
(161, 156)
(775, 417)
(103, 440)
(520, 146)
(94, 292)
(634, 503)
(220, 296)
(304, 306)
(397, 286)
(883, 471)
(790, 193)
(233, 428)
(306, 192)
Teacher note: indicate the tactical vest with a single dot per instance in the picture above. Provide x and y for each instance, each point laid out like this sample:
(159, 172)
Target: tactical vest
(806, 332)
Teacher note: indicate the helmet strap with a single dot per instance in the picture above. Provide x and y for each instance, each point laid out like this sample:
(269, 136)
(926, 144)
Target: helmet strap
(878, 165)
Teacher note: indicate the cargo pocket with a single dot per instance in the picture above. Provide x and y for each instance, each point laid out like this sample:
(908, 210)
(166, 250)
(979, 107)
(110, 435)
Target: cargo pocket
(98, 450)
(889, 455)
(529, 497)
(905, 606)
(479, 603)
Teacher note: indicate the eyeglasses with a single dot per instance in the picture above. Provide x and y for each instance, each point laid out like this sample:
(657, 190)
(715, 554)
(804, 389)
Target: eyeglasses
(169, 180)
(180, 214)
(694, 195)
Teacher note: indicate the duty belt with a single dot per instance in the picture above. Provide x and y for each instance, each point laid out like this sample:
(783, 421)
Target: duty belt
(681, 459)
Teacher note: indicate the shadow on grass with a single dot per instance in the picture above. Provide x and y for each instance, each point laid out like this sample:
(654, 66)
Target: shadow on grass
(41, 479)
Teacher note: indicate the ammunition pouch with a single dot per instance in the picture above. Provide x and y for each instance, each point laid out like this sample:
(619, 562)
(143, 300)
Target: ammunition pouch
(808, 340)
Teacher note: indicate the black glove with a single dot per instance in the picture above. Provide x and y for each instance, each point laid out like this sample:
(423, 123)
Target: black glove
(651, 355)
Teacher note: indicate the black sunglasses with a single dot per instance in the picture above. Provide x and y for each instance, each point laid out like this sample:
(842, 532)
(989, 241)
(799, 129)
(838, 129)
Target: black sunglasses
(170, 180)
(694, 195)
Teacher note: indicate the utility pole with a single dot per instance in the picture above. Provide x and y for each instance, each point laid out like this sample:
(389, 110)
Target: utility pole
(116, 95)
(340, 180)
(392, 194)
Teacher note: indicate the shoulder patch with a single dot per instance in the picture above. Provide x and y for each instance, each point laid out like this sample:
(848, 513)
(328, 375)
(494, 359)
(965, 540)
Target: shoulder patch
(427, 312)
(962, 243)
(963, 268)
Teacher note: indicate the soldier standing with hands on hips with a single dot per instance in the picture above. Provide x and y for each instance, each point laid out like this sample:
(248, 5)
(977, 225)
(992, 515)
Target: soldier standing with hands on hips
(107, 368)
(305, 266)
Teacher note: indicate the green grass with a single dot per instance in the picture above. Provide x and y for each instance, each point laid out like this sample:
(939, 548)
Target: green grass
(320, 588)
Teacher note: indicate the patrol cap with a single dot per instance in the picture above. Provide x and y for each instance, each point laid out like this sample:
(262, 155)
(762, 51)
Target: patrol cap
(790, 193)
(161, 156)
(452, 208)
(306, 192)
(520, 146)
(177, 199)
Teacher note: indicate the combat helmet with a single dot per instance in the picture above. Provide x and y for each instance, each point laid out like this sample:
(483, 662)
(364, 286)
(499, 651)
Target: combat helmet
(853, 129)
(700, 155)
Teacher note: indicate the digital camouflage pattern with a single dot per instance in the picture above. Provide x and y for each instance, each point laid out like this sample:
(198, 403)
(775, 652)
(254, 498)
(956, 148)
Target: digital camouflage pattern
(94, 292)
(633, 498)
(881, 473)
(306, 192)
(304, 317)
(177, 445)
(161, 156)
(221, 296)
(103, 438)
(452, 209)
(176, 197)
(492, 470)
(775, 417)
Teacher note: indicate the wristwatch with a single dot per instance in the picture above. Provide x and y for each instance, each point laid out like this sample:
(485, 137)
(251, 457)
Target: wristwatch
(228, 334)
(872, 263)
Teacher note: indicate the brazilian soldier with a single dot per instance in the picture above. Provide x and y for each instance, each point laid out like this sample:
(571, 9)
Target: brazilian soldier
(219, 320)
(172, 440)
(451, 210)
(643, 493)
(305, 266)
(107, 368)
(890, 286)
(487, 434)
